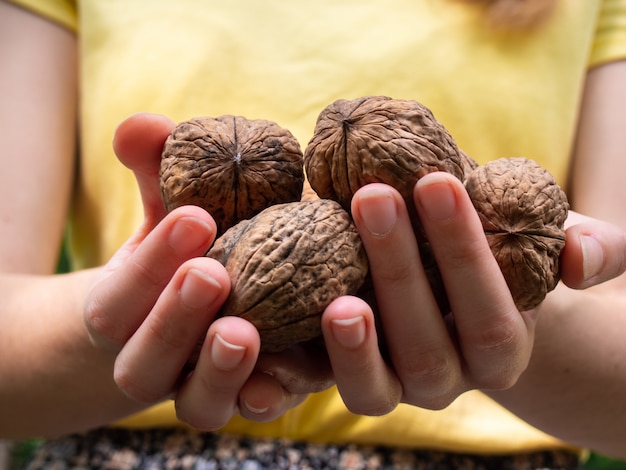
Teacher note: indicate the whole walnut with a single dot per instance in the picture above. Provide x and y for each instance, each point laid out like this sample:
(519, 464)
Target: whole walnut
(379, 139)
(522, 211)
(376, 139)
(287, 264)
(230, 166)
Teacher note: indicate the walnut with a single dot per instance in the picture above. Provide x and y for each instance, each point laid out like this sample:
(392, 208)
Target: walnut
(230, 166)
(522, 210)
(289, 258)
(287, 264)
(379, 139)
(376, 139)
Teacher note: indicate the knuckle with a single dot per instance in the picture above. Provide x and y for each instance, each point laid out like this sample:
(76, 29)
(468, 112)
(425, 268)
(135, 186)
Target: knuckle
(95, 318)
(167, 334)
(502, 382)
(145, 275)
(497, 379)
(103, 332)
(201, 421)
(499, 357)
(463, 255)
(216, 389)
(219, 391)
(435, 402)
(372, 400)
(499, 339)
(393, 270)
(220, 388)
(379, 407)
(127, 382)
(432, 368)
(431, 379)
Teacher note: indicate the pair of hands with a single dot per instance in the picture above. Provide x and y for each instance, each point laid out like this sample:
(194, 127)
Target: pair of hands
(159, 297)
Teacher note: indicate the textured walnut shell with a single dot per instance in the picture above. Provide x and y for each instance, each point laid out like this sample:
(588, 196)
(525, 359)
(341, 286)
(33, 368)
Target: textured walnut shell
(287, 264)
(230, 166)
(522, 210)
(376, 139)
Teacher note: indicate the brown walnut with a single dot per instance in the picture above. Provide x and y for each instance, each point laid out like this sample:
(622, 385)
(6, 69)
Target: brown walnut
(379, 139)
(522, 210)
(287, 264)
(376, 139)
(230, 166)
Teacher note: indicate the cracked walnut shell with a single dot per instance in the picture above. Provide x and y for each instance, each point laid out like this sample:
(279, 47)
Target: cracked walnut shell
(287, 264)
(230, 166)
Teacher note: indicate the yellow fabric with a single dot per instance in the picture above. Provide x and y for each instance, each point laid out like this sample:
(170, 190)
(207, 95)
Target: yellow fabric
(610, 36)
(473, 423)
(62, 12)
(499, 93)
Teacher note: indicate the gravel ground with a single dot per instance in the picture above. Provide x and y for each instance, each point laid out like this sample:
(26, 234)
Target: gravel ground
(117, 449)
(4, 454)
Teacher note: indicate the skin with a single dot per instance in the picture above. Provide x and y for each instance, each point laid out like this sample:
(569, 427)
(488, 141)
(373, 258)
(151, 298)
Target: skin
(86, 348)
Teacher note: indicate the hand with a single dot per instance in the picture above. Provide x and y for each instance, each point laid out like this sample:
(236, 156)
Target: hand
(158, 298)
(485, 343)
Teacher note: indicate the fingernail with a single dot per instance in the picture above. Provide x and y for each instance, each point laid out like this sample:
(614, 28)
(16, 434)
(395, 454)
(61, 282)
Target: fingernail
(189, 235)
(438, 200)
(226, 356)
(349, 332)
(593, 256)
(378, 211)
(198, 289)
(253, 409)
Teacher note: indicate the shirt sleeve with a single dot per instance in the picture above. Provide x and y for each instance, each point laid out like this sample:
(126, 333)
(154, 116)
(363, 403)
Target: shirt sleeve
(62, 12)
(609, 43)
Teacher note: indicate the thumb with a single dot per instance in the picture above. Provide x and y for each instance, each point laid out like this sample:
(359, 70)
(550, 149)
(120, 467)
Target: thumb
(594, 252)
(138, 143)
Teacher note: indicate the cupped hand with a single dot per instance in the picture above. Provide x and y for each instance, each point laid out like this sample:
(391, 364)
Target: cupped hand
(158, 298)
(484, 343)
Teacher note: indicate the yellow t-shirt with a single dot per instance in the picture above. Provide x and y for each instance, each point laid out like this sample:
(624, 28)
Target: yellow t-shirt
(499, 93)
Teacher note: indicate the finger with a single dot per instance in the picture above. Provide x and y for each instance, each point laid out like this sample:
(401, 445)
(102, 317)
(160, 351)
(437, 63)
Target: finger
(365, 382)
(263, 398)
(494, 337)
(420, 347)
(594, 252)
(138, 143)
(283, 380)
(150, 363)
(209, 397)
(301, 369)
(130, 284)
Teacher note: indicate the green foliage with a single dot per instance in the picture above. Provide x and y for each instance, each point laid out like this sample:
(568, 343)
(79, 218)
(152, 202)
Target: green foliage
(21, 453)
(63, 265)
(599, 462)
